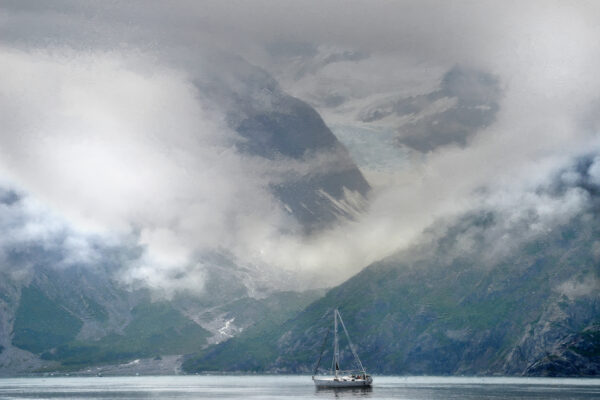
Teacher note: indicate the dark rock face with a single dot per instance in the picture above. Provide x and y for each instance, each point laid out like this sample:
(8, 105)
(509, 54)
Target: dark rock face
(277, 127)
(291, 129)
(576, 355)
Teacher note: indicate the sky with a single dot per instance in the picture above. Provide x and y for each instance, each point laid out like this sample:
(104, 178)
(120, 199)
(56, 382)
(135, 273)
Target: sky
(114, 126)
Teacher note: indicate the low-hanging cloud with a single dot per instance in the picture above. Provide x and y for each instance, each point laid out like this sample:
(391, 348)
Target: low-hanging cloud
(35, 237)
(120, 151)
(117, 116)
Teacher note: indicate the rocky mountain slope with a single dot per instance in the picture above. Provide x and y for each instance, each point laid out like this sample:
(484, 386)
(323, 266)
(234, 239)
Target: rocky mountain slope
(325, 183)
(532, 308)
(576, 355)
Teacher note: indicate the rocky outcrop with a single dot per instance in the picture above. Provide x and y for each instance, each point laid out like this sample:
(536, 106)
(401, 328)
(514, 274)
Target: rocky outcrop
(313, 175)
(577, 355)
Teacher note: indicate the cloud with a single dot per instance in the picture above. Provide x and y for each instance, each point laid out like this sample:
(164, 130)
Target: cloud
(35, 237)
(594, 171)
(118, 116)
(120, 150)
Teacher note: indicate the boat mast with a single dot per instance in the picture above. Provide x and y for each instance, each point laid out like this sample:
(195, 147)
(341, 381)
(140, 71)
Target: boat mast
(350, 343)
(336, 350)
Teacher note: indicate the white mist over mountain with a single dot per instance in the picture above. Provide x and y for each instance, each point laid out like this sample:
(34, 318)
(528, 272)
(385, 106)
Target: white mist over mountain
(118, 117)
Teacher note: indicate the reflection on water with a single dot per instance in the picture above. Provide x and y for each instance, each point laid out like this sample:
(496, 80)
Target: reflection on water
(296, 387)
(344, 392)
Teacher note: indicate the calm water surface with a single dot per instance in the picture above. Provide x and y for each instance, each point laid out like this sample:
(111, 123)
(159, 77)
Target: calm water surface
(294, 387)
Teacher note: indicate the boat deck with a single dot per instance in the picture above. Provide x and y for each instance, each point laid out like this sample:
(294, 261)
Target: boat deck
(343, 381)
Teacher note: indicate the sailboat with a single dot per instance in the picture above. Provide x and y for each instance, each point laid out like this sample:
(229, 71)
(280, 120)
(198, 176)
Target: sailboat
(341, 378)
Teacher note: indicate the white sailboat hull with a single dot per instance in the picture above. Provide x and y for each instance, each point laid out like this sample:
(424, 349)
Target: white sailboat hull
(342, 381)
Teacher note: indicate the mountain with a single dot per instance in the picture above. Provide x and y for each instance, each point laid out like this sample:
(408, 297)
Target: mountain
(70, 314)
(466, 101)
(293, 130)
(466, 302)
(56, 315)
(478, 296)
(282, 129)
(74, 318)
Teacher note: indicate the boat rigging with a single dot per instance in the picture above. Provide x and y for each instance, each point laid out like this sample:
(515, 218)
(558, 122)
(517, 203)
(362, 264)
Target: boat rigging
(341, 378)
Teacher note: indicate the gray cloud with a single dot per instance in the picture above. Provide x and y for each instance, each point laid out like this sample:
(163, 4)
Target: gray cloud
(118, 150)
(35, 237)
(569, 197)
(121, 117)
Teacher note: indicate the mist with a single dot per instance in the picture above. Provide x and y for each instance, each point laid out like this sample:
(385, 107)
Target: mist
(116, 118)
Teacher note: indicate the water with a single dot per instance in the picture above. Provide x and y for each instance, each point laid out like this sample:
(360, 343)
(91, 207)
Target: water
(294, 387)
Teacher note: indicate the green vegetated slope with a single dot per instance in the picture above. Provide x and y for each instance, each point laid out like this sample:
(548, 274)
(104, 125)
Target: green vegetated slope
(155, 329)
(443, 312)
(48, 322)
(41, 323)
(46, 327)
